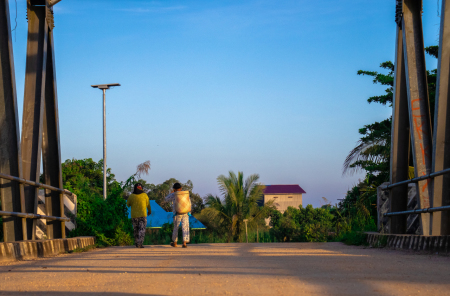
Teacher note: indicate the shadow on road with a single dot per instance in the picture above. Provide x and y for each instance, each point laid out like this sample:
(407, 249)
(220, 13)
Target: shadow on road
(330, 267)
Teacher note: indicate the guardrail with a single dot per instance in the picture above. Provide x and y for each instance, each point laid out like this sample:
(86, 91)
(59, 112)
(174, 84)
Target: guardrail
(415, 180)
(34, 216)
(31, 215)
(35, 184)
(419, 211)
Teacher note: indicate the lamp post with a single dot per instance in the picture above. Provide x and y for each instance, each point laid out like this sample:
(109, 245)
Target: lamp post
(104, 87)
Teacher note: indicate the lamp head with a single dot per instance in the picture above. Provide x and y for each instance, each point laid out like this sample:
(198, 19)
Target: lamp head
(105, 86)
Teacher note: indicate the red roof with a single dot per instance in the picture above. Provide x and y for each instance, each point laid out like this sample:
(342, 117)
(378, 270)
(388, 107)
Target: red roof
(283, 189)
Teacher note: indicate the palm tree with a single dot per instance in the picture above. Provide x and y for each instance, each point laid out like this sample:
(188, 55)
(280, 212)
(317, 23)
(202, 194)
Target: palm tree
(240, 201)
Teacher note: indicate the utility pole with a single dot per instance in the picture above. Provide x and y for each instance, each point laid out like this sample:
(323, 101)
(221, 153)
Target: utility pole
(104, 87)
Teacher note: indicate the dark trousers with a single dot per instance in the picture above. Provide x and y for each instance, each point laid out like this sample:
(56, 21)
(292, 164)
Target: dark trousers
(139, 225)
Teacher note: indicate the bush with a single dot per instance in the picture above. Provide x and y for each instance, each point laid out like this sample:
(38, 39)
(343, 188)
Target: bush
(163, 236)
(107, 220)
(356, 238)
(302, 224)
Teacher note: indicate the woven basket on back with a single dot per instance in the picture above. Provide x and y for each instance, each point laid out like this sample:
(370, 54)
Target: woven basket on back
(182, 202)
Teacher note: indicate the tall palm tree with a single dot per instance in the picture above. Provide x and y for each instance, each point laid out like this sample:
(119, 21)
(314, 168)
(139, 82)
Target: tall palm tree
(240, 201)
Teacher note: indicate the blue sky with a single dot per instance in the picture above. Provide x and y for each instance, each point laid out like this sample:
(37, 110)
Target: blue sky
(267, 87)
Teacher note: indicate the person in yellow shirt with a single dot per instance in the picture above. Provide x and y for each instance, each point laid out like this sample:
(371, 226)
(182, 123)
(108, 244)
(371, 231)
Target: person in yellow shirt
(139, 203)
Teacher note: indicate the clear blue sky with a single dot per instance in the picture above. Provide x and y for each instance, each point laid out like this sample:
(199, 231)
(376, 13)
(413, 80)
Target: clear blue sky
(267, 87)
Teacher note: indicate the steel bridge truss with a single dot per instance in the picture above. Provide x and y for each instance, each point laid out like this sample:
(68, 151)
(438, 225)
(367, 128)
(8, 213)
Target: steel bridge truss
(412, 127)
(20, 159)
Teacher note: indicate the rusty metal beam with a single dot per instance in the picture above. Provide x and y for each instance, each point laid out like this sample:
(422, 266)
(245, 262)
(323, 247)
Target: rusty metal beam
(10, 161)
(441, 138)
(400, 140)
(35, 184)
(418, 103)
(51, 155)
(53, 2)
(34, 216)
(33, 107)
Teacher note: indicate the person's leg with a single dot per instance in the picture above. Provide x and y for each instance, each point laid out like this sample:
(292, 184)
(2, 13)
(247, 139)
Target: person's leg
(185, 226)
(141, 235)
(176, 224)
(135, 222)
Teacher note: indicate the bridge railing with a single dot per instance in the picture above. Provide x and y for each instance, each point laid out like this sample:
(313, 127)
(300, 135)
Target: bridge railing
(33, 215)
(415, 180)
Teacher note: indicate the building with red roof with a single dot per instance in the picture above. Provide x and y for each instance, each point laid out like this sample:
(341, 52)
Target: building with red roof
(284, 196)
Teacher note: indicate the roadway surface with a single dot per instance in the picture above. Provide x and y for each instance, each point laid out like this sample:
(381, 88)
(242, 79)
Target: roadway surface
(231, 269)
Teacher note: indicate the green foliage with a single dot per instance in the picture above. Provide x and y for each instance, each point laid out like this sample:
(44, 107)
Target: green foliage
(163, 236)
(432, 50)
(372, 151)
(383, 79)
(239, 202)
(106, 220)
(206, 237)
(356, 238)
(302, 225)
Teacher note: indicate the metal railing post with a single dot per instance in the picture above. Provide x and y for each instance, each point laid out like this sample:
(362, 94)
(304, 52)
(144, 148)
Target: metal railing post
(418, 103)
(10, 156)
(400, 134)
(441, 137)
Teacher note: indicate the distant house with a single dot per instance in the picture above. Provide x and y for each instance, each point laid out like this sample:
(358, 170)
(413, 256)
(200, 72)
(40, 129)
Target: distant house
(284, 196)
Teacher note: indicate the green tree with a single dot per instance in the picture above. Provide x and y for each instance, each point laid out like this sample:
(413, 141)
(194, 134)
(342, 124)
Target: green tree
(105, 219)
(239, 201)
(372, 151)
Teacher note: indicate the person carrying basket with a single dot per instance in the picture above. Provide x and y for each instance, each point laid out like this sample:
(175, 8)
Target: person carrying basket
(181, 212)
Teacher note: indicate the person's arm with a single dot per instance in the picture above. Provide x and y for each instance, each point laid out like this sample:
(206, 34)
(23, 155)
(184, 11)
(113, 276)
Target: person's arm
(170, 197)
(130, 200)
(148, 207)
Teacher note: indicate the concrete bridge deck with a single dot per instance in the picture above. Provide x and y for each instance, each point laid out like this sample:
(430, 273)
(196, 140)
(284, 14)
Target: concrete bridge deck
(231, 269)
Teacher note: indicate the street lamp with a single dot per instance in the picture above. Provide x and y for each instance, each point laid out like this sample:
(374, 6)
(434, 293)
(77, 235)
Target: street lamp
(104, 87)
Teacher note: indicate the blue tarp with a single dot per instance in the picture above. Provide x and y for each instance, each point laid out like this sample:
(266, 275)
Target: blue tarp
(159, 217)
